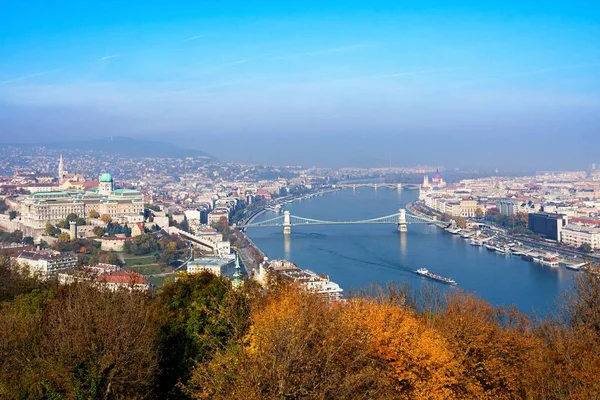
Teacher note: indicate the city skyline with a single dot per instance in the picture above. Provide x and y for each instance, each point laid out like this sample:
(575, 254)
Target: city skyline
(311, 84)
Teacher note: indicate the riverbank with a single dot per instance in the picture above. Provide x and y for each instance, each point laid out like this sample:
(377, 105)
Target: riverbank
(356, 256)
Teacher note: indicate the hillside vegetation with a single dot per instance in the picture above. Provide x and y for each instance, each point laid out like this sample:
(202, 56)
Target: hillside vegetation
(198, 338)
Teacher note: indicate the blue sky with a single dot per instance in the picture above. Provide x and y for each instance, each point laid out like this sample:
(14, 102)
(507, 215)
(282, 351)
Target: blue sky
(512, 84)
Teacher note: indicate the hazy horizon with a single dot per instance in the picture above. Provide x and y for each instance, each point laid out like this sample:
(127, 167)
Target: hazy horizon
(513, 86)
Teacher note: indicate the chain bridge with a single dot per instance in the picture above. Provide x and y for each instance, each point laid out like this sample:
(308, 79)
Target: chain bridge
(402, 219)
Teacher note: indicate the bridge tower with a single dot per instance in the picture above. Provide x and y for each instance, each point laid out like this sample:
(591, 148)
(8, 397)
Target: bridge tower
(287, 223)
(402, 224)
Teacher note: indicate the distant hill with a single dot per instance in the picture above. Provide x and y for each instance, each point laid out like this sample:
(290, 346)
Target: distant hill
(124, 146)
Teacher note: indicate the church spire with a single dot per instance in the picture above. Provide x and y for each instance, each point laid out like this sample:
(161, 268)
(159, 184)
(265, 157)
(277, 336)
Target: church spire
(237, 275)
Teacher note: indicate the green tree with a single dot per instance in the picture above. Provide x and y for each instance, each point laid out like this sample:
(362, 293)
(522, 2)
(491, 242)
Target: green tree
(585, 247)
(200, 314)
(28, 240)
(12, 215)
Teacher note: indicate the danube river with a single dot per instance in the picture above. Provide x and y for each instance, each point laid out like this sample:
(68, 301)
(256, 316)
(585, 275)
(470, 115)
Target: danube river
(355, 256)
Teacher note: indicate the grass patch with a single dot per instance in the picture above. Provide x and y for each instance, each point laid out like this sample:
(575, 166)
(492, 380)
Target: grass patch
(147, 269)
(143, 260)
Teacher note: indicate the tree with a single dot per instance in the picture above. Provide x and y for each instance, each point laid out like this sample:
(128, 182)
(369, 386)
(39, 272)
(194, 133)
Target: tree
(28, 240)
(12, 215)
(93, 214)
(199, 314)
(106, 218)
(98, 231)
(585, 248)
(479, 213)
(64, 237)
(461, 222)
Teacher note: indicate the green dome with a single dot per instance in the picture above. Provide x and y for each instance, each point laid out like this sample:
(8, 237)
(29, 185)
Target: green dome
(105, 177)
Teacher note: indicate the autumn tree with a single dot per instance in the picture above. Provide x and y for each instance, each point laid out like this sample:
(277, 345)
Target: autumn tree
(93, 214)
(64, 237)
(494, 347)
(479, 213)
(106, 218)
(297, 347)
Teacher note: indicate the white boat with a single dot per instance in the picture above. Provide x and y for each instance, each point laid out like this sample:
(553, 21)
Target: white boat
(575, 267)
(549, 261)
(474, 242)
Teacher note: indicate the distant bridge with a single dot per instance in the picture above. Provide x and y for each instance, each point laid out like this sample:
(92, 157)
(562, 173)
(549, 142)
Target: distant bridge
(398, 186)
(402, 219)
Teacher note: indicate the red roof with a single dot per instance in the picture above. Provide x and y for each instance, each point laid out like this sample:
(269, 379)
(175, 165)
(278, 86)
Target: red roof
(585, 221)
(123, 277)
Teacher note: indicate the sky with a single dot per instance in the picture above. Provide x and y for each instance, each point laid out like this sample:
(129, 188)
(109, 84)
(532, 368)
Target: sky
(513, 84)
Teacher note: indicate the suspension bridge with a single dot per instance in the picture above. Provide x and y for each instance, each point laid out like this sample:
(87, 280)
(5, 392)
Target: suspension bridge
(402, 219)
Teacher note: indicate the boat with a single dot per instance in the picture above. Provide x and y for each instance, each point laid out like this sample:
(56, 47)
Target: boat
(466, 235)
(425, 272)
(502, 250)
(575, 267)
(525, 257)
(454, 231)
(517, 253)
(549, 261)
(490, 247)
(475, 242)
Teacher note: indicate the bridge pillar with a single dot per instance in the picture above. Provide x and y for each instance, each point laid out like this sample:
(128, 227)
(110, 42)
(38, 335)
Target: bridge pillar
(402, 224)
(376, 186)
(287, 223)
(399, 187)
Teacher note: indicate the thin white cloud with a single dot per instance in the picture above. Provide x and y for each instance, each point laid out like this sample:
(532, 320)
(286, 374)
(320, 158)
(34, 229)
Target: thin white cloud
(194, 37)
(330, 50)
(22, 78)
(109, 57)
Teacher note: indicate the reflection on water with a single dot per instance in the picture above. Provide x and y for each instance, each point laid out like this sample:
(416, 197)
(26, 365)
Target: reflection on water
(287, 246)
(356, 255)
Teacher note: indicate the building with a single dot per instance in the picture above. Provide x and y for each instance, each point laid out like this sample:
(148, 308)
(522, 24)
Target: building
(46, 264)
(548, 225)
(215, 265)
(39, 208)
(216, 215)
(106, 276)
(575, 235)
(122, 279)
(310, 281)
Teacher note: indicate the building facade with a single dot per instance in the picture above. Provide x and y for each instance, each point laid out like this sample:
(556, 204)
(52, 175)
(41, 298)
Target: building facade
(548, 225)
(39, 208)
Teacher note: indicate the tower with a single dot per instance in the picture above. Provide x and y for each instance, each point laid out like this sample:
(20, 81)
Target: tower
(237, 275)
(61, 168)
(73, 230)
(402, 223)
(425, 181)
(106, 185)
(287, 223)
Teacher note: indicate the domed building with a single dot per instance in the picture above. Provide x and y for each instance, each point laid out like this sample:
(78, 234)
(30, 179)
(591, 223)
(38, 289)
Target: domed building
(436, 181)
(106, 185)
(122, 205)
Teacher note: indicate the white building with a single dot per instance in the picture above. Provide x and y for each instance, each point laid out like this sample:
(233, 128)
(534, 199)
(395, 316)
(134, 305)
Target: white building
(575, 235)
(46, 264)
(215, 265)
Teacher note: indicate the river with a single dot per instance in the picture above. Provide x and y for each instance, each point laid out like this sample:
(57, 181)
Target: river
(356, 256)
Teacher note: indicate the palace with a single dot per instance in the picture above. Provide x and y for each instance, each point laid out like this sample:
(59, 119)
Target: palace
(120, 204)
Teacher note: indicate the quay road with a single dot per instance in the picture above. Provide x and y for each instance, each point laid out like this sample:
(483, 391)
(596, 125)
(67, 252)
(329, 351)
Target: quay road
(534, 244)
